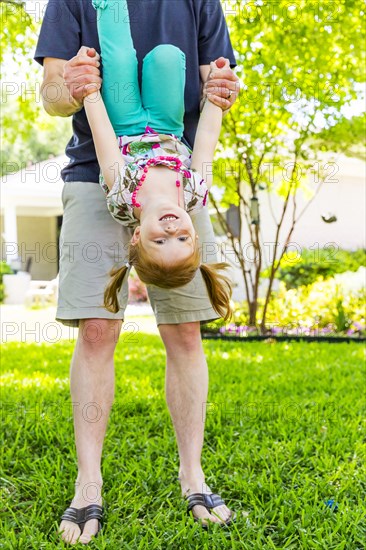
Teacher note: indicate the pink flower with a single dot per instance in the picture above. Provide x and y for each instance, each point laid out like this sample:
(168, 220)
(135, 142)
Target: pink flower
(155, 146)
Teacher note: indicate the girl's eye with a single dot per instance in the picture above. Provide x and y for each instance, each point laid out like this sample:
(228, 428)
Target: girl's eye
(182, 238)
(161, 241)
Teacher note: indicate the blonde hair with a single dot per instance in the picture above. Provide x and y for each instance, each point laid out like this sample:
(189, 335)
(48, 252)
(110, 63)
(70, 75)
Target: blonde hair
(179, 274)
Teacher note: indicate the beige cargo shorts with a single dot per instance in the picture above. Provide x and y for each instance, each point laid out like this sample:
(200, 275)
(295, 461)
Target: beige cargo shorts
(92, 242)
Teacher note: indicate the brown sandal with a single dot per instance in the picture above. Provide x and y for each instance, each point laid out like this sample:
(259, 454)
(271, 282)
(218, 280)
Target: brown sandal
(209, 501)
(81, 515)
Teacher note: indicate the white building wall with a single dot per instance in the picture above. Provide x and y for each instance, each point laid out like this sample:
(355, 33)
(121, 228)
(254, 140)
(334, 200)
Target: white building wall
(37, 238)
(345, 198)
(343, 194)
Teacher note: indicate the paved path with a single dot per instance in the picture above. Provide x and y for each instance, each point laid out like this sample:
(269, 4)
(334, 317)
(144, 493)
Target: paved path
(22, 324)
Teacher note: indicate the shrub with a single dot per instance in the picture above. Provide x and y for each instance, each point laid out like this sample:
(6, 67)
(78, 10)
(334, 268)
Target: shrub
(4, 270)
(296, 270)
(136, 289)
(318, 308)
(322, 304)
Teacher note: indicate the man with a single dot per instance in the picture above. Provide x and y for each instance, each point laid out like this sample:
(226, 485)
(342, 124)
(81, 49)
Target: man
(68, 48)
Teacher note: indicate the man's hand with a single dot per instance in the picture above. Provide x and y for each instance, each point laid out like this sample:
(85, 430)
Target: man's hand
(222, 84)
(82, 71)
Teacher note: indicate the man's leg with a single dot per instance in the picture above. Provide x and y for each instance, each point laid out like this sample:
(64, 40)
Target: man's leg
(91, 243)
(179, 312)
(186, 395)
(92, 394)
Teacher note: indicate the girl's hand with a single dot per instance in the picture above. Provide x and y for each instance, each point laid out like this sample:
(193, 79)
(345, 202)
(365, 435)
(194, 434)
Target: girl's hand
(222, 84)
(221, 63)
(82, 71)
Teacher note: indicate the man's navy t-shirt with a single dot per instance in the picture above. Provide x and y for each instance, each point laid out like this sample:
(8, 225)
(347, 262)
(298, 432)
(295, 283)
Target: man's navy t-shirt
(197, 27)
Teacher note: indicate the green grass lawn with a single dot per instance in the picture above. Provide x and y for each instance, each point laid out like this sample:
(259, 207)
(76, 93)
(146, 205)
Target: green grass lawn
(284, 434)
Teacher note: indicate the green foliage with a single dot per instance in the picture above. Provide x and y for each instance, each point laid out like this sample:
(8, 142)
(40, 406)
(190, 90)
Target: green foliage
(18, 70)
(47, 138)
(28, 134)
(305, 268)
(283, 435)
(300, 65)
(18, 30)
(341, 320)
(296, 62)
(334, 137)
(322, 304)
(4, 270)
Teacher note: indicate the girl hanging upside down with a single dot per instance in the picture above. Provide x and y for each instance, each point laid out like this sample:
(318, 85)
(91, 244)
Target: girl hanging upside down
(151, 179)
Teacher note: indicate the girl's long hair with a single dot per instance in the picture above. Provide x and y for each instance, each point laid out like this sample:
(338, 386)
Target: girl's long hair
(172, 276)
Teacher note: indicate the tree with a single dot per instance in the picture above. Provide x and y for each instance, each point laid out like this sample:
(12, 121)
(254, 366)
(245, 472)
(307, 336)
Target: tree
(28, 133)
(299, 64)
(18, 29)
(36, 142)
(347, 136)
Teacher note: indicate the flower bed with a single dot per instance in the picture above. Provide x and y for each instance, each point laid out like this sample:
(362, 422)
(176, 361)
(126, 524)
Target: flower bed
(326, 334)
(317, 311)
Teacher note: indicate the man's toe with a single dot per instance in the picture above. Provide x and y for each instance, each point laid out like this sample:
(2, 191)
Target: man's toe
(201, 513)
(76, 534)
(219, 514)
(89, 531)
(222, 513)
(70, 532)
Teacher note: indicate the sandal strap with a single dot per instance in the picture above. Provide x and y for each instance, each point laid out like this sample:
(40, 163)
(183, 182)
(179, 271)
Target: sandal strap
(82, 515)
(208, 501)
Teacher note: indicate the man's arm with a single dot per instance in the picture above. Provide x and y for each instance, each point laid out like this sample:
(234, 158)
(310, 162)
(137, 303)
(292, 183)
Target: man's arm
(56, 97)
(64, 82)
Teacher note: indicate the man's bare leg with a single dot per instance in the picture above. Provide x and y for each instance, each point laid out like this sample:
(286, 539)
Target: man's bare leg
(92, 394)
(186, 395)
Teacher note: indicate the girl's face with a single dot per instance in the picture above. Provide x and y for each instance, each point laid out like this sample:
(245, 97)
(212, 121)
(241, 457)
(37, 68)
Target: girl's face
(166, 234)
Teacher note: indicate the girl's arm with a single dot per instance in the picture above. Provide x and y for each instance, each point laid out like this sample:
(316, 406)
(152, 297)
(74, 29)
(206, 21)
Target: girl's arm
(105, 141)
(207, 135)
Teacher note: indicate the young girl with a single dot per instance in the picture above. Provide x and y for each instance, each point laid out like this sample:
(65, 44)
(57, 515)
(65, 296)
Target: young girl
(155, 182)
